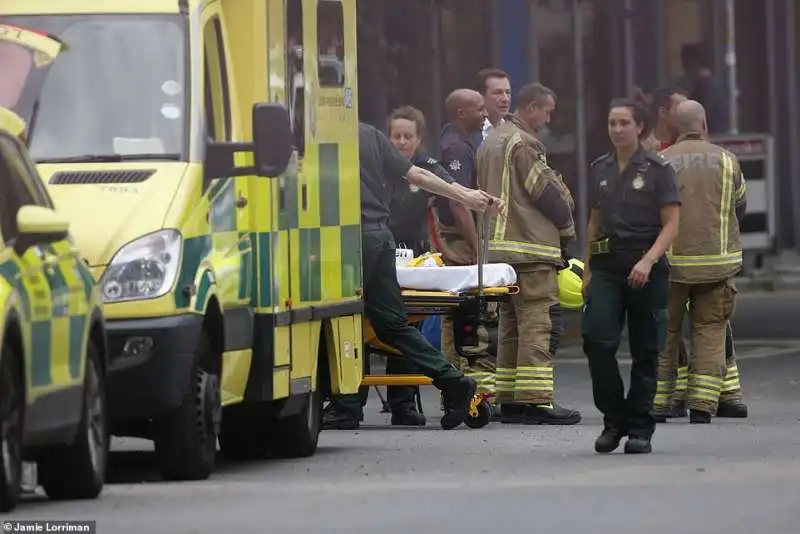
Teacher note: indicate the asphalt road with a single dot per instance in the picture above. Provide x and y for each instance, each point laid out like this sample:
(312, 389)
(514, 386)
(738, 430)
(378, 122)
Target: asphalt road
(731, 477)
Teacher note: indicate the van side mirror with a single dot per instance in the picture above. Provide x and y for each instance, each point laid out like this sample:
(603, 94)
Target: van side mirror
(272, 139)
(271, 147)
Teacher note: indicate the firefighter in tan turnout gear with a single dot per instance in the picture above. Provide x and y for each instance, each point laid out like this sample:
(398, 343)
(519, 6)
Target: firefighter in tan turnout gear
(705, 257)
(532, 237)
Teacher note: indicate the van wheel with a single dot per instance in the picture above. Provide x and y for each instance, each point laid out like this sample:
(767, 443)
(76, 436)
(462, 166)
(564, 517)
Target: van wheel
(297, 436)
(243, 433)
(186, 439)
(78, 471)
(12, 407)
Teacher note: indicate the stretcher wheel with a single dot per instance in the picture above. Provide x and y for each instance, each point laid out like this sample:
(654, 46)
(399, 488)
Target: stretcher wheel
(480, 413)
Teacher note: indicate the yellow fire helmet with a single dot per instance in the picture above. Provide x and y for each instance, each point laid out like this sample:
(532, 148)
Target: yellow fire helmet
(12, 123)
(570, 285)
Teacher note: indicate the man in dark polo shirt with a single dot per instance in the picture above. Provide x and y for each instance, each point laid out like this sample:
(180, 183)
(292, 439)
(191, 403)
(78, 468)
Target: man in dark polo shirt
(382, 169)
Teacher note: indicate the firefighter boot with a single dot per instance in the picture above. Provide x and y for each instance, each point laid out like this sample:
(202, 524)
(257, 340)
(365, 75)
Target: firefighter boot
(511, 414)
(678, 409)
(457, 394)
(699, 417)
(549, 414)
(661, 414)
(735, 408)
(638, 445)
(609, 439)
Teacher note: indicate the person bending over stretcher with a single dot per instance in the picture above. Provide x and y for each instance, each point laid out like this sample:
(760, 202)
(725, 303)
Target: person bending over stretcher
(382, 167)
(408, 224)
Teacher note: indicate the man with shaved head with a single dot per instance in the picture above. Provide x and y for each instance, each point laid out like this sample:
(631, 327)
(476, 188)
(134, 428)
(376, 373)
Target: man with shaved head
(705, 257)
(452, 228)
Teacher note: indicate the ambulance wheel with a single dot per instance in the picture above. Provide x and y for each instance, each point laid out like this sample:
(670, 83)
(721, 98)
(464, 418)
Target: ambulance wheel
(186, 439)
(242, 435)
(12, 407)
(78, 470)
(297, 436)
(483, 417)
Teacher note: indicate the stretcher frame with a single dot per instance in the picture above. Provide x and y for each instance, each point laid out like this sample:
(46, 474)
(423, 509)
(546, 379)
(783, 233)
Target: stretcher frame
(423, 304)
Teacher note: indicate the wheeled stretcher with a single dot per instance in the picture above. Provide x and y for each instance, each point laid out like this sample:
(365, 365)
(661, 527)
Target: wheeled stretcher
(462, 292)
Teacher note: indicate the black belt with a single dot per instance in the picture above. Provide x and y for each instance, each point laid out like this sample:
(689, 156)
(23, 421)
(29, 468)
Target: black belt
(613, 245)
(373, 227)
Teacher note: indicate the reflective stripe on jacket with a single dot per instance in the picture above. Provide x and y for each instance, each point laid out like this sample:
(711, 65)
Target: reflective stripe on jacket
(708, 247)
(512, 165)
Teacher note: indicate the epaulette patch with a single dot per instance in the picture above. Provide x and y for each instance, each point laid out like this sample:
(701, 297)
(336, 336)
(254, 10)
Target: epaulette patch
(600, 159)
(657, 158)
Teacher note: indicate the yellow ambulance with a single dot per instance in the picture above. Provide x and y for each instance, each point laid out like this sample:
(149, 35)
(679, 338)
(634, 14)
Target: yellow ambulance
(206, 155)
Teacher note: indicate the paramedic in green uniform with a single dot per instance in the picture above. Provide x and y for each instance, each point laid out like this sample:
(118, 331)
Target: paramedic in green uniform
(633, 221)
(382, 169)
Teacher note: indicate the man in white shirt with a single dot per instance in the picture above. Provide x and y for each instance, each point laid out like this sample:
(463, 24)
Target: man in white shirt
(495, 86)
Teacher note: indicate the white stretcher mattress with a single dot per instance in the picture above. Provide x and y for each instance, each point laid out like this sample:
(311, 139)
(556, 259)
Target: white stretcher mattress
(455, 279)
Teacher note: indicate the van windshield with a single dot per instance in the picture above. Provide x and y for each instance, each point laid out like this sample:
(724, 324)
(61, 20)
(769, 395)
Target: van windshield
(95, 87)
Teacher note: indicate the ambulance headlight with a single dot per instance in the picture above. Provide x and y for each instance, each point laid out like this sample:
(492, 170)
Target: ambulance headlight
(143, 269)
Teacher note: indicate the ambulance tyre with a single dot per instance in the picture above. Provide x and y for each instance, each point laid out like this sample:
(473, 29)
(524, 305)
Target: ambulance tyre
(12, 406)
(78, 470)
(297, 436)
(186, 439)
(242, 435)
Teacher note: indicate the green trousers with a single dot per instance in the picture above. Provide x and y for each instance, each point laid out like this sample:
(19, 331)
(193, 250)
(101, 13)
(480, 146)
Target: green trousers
(610, 301)
(384, 308)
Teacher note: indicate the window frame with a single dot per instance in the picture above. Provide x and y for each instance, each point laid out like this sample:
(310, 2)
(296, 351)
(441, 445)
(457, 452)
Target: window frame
(29, 176)
(298, 117)
(15, 198)
(220, 87)
(343, 58)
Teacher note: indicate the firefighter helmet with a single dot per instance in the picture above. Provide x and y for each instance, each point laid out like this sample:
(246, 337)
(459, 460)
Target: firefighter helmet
(570, 285)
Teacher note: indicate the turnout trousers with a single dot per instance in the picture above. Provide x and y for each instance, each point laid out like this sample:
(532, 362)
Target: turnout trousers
(711, 306)
(528, 337)
(384, 307)
(610, 301)
(731, 386)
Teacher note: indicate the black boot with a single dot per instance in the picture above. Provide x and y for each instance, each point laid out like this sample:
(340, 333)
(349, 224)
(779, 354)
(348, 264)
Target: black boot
(457, 394)
(408, 416)
(511, 414)
(638, 445)
(609, 439)
(735, 409)
(549, 414)
(334, 418)
(660, 415)
(699, 417)
(678, 410)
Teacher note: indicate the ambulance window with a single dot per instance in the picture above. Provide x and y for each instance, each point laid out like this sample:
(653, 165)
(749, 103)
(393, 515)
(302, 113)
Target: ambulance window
(14, 191)
(217, 91)
(295, 73)
(330, 43)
